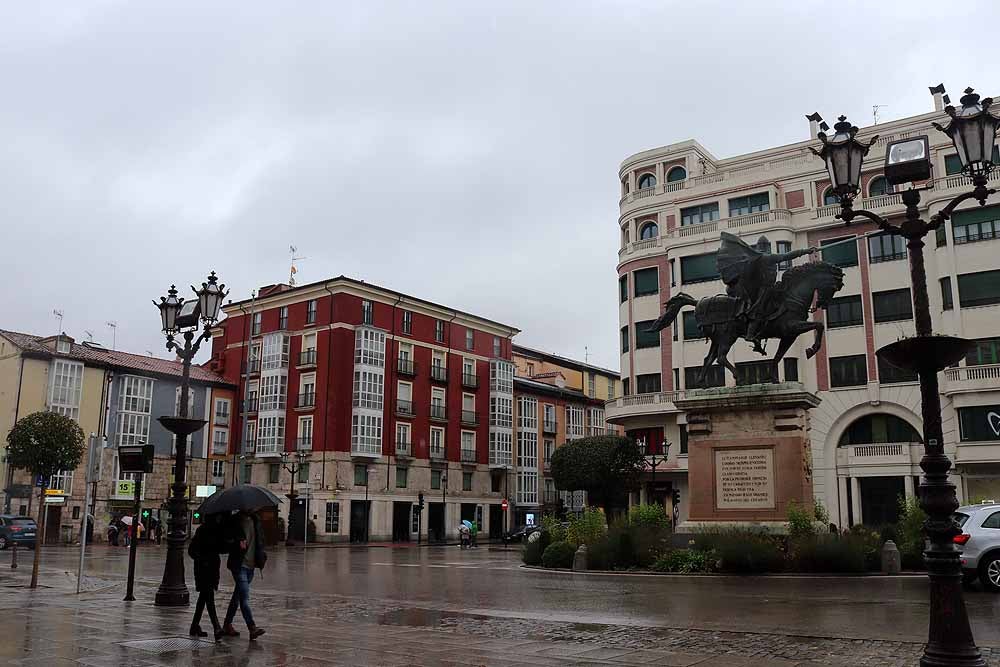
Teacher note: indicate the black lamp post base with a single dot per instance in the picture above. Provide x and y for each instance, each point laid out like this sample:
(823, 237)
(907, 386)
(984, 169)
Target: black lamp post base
(172, 598)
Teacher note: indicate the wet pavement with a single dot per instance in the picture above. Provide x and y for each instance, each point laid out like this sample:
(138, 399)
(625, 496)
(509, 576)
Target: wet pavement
(443, 606)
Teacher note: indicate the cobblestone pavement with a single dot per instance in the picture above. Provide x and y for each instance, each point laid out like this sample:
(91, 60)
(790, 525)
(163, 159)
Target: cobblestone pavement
(54, 627)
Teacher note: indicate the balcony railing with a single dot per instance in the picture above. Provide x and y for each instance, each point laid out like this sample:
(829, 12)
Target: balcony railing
(219, 480)
(306, 400)
(468, 455)
(437, 453)
(738, 224)
(404, 407)
(550, 497)
(220, 447)
(439, 412)
(221, 419)
(470, 380)
(985, 372)
(549, 426)
(307, 358)
(304, 444)
(403, 448)
(406, 367)
(887, 449)
(470, 417)
(250, 405)
(439, 373)
(253, 365)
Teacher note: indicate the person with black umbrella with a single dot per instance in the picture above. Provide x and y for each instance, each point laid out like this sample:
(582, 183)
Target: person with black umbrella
(246, 554)
(206, 545)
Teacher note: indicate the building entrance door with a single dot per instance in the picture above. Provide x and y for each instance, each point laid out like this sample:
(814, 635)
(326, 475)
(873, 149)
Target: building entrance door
(880, 500)
(359, 520)
(435, 522)
(401, 522)
(53, 519)
(297, 520)
(496, 522)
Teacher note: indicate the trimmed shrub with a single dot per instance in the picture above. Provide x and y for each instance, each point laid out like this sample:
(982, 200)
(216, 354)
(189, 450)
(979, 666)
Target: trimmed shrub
(684, 561)
(870, 542)
(587, 528)
(742, 551)
(830, 553)
(553, 528)
(910, 534)
(533, 549)
(800, 521)
(558, 554)
(819, 511)
(654, 516)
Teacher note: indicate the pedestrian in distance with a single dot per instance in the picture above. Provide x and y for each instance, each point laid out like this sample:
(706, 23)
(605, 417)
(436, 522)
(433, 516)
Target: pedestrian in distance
(159, 532)
(246, 554)
(463, 536)
(473, 532)
(113, 533)
(129, 525)
(206, 545)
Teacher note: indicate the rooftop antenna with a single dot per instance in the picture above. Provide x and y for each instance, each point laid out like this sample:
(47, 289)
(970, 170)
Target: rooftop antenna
(90, 335)
(875, 108)
(59, 315)
(292, 271)
(586, 354)
(114, 332)
(149, 353)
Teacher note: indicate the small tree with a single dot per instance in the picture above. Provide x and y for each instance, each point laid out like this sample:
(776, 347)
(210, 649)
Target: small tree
(43, 443)
(605, 466)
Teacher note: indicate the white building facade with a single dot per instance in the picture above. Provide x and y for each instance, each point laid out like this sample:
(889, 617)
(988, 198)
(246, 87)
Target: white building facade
(866, 442)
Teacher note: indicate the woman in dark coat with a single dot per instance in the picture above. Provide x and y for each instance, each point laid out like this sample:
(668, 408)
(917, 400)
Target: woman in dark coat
(205, 547)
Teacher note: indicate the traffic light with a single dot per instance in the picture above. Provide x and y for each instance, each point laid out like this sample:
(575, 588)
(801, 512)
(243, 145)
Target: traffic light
(420, 500)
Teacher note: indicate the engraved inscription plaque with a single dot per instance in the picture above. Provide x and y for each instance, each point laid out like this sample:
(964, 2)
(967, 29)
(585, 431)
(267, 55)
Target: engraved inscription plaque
(744, 479)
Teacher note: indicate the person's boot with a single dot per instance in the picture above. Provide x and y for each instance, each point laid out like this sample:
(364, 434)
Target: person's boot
(219, 633)
(229, 631)
(255, 632)
(196, 631)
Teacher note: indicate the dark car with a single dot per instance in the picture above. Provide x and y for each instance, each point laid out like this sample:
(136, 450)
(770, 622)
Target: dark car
(19, 529)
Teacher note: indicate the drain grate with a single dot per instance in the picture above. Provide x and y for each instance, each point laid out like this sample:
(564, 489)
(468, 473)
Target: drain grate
(168, 644)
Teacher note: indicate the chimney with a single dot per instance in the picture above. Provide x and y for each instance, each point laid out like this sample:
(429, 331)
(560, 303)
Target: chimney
(938, 93)
(814, 120)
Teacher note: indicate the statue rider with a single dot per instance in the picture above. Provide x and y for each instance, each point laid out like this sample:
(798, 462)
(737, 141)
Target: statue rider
(750, 274)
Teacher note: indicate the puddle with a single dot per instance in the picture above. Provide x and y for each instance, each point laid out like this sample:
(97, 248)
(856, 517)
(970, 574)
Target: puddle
(418, 618)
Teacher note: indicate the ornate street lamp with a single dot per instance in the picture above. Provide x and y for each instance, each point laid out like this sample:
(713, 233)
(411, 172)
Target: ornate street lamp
(296, 465)
(186, 318)
(652, 458)
(973, 131)
(843, 155)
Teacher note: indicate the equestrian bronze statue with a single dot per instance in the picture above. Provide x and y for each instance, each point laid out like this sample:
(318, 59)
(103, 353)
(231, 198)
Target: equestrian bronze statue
(756, 306)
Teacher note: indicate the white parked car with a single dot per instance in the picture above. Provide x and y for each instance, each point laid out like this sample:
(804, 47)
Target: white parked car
(980, 543)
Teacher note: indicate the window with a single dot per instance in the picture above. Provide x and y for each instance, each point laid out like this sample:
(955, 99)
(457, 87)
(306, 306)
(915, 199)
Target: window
(676, 174)
(829, 199)
(648, 383)
(699, 268)
(947, 302)
(878, 427)
(755, 372)
(791, 369)
(647, 181)
(469, 370)
(496, 347)
(401, 475)
(218, 468)
(436, 479)
(502, 376)
(844, 311)
(246, 473)
(892, 306)
(275, 352)
(273, 392)
(695, 215)
(361, 475)
(437, 403)
(368, 389)
(646, 282)
(755, 203)
(221, 412)
(649, 230)
(889, 374)
(135, 401)
(63, 480)
(439, 330)
(468, 446)
(470, 339)
(624, 340)
(303, 473)
(673, 275)
(311, 311)
(437, 442)
(691, 330)
(366, 434)
(220, 441)
(992, 521)
(250, 444)
(984, 351)
(611, 388)
(270, 435)
(467, 481)
(407, 322)
(273, 473)
(979, 422)
(255, 328)
(977, 224)
(782, 247)
(623, 288)
(283, 317)
(307, 389)
(625, 387)
(574, 424)
(849, 371)
(333, 517)
(548, 449)
(645, 338)
(879, 186)
(952, 164)
(369, 347)
(716, 377)
(886, 248)
(305, 441)
(591, 385)
(845, 254)
(402, 433)
(66, 388)
(63, 346)
(367, 316)
(979, 289)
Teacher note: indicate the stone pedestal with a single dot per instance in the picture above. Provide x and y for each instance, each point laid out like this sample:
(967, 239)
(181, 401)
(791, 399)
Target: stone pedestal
(748, 454)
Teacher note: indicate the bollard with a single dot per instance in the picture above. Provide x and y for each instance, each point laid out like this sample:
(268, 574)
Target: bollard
(13, 556)
(890, 558)
(580, 558)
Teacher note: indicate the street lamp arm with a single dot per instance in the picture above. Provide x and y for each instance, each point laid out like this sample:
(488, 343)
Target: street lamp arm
(847, 214)
(980, 193)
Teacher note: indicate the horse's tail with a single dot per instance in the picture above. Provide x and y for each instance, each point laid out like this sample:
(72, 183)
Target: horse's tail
(670, 310)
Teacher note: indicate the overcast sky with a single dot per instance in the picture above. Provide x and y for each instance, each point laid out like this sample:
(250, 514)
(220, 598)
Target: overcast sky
(462, 152)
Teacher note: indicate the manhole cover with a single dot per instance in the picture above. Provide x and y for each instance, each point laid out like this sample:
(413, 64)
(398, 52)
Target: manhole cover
(168, 644)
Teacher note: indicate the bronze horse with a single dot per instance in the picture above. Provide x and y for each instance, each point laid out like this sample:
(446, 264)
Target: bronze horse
(717, 315)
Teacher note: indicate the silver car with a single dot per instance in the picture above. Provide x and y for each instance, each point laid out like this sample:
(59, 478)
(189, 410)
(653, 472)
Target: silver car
(980, 543)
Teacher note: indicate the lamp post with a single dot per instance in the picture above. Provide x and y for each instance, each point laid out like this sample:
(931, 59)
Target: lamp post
(652, 458)
(296, 465)
(972, 130)
(187, 319)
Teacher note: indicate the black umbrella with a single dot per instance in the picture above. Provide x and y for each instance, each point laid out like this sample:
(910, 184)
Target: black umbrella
(245, 497)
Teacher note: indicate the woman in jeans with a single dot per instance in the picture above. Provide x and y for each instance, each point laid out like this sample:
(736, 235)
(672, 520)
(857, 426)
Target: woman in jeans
(246, 554)
(205, 547)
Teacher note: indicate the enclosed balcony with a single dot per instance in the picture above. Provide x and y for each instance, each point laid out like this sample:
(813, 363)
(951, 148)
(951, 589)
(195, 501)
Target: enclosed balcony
(638, 405)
